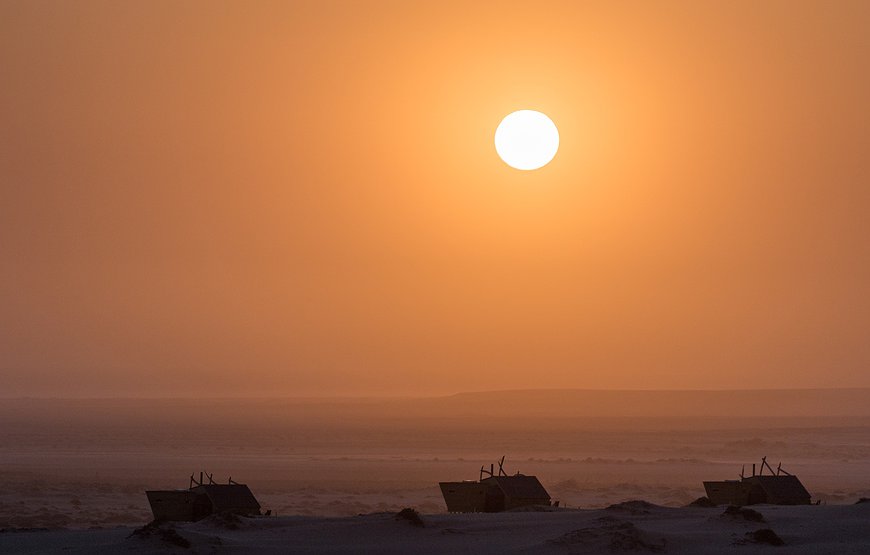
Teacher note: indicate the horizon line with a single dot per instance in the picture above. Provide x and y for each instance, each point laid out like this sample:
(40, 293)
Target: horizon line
(347, 397)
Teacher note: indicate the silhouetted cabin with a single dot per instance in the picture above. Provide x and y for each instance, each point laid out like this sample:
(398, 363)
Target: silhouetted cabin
(777, 488)
(495, 493)
(201, 500)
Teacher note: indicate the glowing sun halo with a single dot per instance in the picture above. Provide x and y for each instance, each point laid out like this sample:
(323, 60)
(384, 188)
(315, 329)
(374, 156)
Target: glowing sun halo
(526, 140)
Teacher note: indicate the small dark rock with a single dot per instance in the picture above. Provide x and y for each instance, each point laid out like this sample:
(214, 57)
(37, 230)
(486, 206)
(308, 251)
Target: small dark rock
(744, 513)
(147, 530)
(863, 500)
(155, 529)
(765, 535)
(702, 502)
(636, 507)
(411, 516)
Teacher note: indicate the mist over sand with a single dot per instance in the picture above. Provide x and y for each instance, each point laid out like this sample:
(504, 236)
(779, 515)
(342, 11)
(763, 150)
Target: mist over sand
(80, 463)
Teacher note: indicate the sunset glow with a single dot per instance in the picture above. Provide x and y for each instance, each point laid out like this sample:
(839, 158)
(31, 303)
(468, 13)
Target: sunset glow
(312, 198)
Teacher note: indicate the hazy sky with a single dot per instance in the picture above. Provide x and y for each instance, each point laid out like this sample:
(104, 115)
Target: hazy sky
(303, 198)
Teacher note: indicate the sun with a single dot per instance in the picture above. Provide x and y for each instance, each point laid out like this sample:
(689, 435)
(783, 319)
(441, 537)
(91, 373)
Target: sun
(526, 140)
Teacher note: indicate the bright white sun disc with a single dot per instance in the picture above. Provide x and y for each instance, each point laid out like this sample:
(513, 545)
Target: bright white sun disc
(526, 140)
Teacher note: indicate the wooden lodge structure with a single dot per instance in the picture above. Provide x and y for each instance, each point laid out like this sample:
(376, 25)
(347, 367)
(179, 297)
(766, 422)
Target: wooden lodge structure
(494, 493)
(777, 488)
(203, 499)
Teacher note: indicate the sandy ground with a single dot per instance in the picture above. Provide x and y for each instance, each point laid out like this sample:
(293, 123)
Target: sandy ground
(631, 527)
(46, 487)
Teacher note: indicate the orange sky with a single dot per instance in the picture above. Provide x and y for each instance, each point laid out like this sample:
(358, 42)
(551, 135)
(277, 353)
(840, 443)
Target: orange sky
(303, 198)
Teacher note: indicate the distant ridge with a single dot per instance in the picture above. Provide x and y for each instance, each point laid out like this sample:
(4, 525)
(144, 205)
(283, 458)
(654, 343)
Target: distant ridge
(481, 410)
(623, 390)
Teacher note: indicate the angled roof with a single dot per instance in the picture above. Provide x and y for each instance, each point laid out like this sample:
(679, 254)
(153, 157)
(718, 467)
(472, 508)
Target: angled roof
(781, 487)
(520, 487)
(229, 496)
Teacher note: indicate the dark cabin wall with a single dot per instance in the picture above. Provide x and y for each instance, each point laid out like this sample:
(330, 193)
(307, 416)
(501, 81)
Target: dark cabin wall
(173, 505)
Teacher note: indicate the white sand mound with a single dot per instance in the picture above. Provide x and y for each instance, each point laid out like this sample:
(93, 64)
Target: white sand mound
(634, 527)
(611, 534)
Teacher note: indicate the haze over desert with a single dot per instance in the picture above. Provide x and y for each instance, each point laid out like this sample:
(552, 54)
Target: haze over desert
(334, 276)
